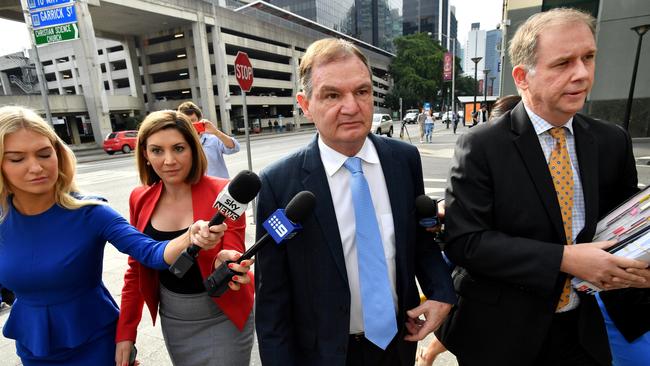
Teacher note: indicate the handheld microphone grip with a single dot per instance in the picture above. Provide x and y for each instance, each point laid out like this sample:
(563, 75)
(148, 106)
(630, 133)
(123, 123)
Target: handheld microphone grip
(230, 203)
(283, 224)
(427, 210)
(194, 249)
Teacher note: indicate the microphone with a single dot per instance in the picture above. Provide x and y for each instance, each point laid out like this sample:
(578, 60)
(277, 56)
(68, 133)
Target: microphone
(280, 226)
(427, 210)
(231, 203)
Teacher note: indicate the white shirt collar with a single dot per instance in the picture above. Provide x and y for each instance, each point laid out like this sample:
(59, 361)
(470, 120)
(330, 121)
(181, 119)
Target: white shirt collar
(334, 160)
(541, 125)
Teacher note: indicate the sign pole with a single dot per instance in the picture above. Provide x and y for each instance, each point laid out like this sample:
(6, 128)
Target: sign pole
(37, 62)
(248, 142)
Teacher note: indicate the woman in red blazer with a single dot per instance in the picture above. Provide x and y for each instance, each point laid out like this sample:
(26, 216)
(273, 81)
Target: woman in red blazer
(198, 329)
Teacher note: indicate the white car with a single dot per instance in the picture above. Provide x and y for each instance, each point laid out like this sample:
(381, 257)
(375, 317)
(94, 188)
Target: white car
(411, 117)
(382, 124)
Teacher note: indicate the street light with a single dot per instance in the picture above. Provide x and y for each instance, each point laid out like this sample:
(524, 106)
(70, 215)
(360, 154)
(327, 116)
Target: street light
(640, 30)
(485, 78)
(475, 60)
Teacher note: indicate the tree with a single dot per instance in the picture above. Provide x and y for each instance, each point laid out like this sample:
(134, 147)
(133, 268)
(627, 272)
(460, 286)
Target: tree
(417, 73)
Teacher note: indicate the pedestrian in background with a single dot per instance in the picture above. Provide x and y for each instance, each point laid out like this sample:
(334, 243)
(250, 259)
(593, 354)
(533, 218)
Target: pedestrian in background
(422, 116)
(455, 120)
(428, 126)
(52, 243)
(198, 330)
(215, 143)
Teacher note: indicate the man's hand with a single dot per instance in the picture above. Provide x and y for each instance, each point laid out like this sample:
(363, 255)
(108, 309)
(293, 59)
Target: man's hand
(592, 263)
(210, 127)
(645, 273)
(434, 313)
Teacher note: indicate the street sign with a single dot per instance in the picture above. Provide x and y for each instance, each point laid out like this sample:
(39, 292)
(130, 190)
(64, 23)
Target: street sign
(54, 16)
(243, 71)
(41, 4)
(58, 33)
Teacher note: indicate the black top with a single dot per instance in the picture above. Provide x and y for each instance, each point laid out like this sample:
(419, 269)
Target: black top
(192, 282)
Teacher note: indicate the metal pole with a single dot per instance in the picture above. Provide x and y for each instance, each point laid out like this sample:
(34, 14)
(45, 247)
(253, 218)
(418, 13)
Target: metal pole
(628, 107)
(37, 61)
(453, 74)
(248, 141)
(486, 71)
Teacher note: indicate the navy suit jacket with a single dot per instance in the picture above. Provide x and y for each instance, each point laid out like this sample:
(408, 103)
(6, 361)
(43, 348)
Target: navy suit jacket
(505, 228)
(302, 312)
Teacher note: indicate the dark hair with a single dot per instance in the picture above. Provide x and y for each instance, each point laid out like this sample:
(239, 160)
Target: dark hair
(503, 105)
(162, 120)
(189, 108)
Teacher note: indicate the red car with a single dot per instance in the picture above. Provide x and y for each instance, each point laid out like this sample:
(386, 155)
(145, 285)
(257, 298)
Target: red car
(120, 141)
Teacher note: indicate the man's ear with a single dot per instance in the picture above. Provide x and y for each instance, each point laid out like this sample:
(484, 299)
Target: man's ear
(519, 74)
(302, 99)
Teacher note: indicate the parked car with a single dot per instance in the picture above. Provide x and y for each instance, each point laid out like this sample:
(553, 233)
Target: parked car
(447, 116)
(123, 141)
(382, 124)
(411, 117)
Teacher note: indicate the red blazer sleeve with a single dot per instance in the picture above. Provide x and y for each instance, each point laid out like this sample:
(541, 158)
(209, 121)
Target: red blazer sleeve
(132, 299)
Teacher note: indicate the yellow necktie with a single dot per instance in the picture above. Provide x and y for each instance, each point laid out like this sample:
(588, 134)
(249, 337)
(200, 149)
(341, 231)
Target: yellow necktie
(560, 166)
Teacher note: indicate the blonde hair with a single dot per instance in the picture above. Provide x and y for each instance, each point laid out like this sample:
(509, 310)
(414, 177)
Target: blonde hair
(162, 120)
(13, 119)
(325, 51)
(523, 46)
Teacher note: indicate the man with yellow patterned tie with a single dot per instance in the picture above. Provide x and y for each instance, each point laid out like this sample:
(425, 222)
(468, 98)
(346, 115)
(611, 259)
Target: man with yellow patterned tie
(525, 194)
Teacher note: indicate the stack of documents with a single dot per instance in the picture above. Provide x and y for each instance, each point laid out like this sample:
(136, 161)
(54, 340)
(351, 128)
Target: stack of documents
(629, 225)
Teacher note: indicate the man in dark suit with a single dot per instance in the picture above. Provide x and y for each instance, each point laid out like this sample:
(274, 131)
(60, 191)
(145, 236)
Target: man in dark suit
(524, 189)
(314, 305)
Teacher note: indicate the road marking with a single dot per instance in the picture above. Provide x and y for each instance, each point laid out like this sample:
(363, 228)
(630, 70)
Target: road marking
(438, 180)
(428, 190)
(102, 176)
(439, 153)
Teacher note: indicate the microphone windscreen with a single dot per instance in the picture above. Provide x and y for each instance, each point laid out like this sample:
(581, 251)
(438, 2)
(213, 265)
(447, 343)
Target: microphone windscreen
(425, 206)
(301, 205)
(244, 186)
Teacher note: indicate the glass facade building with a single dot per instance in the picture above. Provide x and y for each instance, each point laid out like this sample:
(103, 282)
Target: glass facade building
(376, 22)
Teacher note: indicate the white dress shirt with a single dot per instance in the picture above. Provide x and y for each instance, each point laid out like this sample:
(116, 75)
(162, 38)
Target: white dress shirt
(338, 178)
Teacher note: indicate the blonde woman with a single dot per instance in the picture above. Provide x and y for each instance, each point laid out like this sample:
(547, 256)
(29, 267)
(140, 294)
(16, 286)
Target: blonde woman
(52, 245)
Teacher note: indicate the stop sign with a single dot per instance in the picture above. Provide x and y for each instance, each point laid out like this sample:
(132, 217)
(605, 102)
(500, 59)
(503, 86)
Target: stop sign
(243, 71)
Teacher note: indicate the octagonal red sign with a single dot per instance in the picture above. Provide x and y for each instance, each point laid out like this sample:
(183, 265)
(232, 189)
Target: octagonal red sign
(243, 71)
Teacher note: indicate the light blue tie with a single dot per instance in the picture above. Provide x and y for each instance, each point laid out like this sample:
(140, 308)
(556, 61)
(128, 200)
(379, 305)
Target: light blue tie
(376, 298)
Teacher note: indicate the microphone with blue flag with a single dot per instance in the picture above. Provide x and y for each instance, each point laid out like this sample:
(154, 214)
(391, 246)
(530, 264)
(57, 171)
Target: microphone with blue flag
(283, 224)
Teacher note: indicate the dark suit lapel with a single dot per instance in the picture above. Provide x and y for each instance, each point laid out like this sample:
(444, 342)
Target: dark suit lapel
(314, 179)
(587, 152)
(527, 143)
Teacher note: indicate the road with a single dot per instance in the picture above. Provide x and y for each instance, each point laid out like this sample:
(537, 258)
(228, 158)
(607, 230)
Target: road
(115, 178)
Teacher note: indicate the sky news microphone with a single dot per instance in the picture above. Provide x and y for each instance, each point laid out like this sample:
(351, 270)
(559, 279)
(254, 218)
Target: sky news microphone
(427, 211)
(280, 226)
(231, 203)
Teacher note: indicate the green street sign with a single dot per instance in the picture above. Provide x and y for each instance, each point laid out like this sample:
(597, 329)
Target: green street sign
(57, 33)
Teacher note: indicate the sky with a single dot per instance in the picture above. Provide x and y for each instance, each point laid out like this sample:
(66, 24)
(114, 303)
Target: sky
(487, 12)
